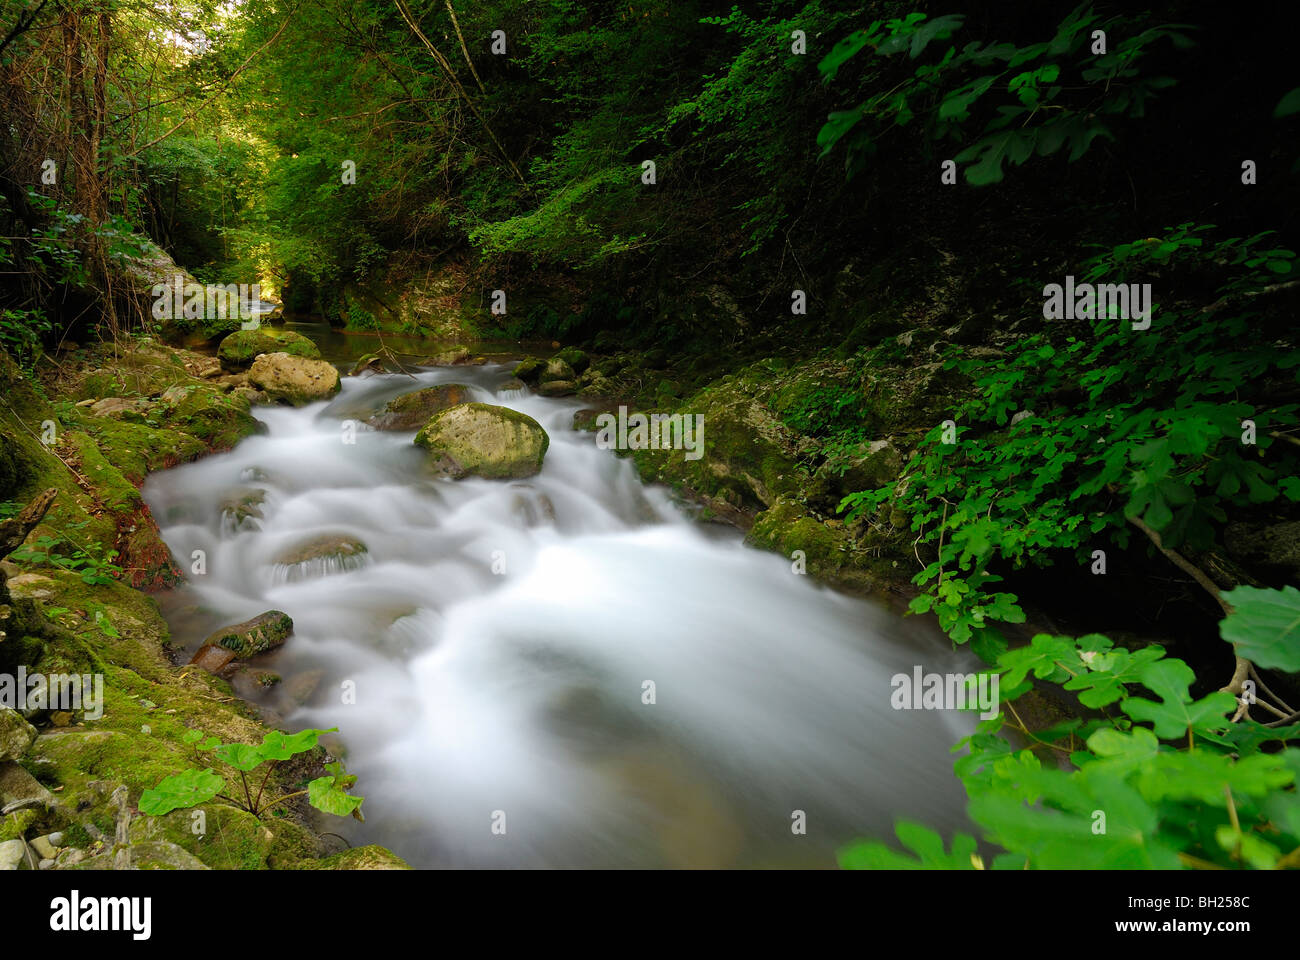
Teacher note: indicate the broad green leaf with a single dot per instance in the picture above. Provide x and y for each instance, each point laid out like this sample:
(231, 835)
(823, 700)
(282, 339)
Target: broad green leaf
(180, 791)
(278, 746)
(325, 795)
(923, 842)
(241, 756)
(1265, 626)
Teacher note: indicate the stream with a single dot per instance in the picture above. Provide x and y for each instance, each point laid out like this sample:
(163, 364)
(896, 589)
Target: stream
(486, 659)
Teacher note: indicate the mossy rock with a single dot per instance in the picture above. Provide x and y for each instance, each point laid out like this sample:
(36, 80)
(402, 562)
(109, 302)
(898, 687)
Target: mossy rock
(750, 458)
(294, 380)
(557, 388)
(371, 857)
(232, 839)
(575, 358)
(530, 370)
(264, 632)
(240, 349)
(557, 369)
(483, 440)
(829, 552)
(411, 411)
(219, 419)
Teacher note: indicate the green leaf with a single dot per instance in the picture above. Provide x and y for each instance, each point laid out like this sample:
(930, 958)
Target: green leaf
(957, 105)
(1289, 104)
(1175, 713)
(277, 746)
(1265, 626)
(241, 756)
(990, 152)
(923, 842)
(325, 794)
(846, 49)
(187, 789)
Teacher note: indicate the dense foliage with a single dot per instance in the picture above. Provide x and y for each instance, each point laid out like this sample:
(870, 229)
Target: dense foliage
(669, 176)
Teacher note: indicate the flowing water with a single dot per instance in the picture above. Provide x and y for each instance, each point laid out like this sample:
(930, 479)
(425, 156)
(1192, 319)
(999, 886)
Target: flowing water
(488, 660)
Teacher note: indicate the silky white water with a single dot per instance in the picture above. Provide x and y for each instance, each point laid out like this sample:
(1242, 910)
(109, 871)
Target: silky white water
(489, 660)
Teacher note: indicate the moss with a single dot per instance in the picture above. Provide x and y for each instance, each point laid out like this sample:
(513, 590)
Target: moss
(372, 857)
(238, 350)
(113, 489)
(220, 420)
(18, 823)
(529, 370)
(575, 358)
(411, 411)
(137, 450)
(232, 839)
(485, 440)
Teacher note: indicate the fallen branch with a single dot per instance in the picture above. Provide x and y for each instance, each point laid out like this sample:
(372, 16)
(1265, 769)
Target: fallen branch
(15, 530)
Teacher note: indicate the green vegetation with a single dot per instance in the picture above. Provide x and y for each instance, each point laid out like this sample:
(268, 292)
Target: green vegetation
(830, 228)
(194, 787)
(1153, 784)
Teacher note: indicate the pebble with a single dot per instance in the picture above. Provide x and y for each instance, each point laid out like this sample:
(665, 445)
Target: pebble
(45, 865)
(56, 839)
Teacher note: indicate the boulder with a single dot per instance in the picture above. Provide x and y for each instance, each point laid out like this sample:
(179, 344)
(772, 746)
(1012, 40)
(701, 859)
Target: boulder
(1274, 548)
(240, 349)
(530, 370)
(118, 408)
(295, 380)
(870, 466)
(16, 734)
(264, 632)
(19, 789)
(513, 385)
(557, 369)
(447, 358)
(411, 411)
(479, 439)
(574, 357)
(13, 855)
(370, 857)
(557, 388)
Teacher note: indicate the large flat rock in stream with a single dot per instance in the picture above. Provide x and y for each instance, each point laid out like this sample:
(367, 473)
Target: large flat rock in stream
(482, 440)
(411, 411)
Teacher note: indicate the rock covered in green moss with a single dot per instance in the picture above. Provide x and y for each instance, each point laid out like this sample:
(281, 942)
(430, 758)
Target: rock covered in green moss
(483, 440)
(750, 458)
(529, 370)
(867, 467)
(16, 734)
(575, 358)
(294, 380)
(557, 388)
(411, 411)
(557, 369)
(371, 857)
(240, 349)
(827, 551)
(264, 632)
